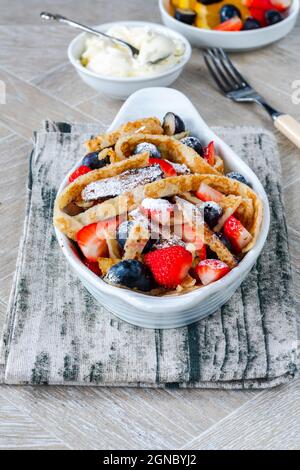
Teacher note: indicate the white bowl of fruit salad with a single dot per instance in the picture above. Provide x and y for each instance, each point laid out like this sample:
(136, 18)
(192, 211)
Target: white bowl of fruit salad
(207, 23)
(161, 220)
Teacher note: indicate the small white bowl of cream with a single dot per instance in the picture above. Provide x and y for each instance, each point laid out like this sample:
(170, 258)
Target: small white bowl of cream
(110, 68)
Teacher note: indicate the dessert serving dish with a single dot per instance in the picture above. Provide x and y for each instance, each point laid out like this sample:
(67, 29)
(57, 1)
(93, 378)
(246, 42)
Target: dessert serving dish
(161, 220)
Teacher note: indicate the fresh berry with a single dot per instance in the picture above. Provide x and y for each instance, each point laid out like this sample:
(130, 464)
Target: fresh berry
(81, 170)
(212, 212)
(190, 235)
(237, 176)
(236, 233)
(224, 240)
(108, 225)
(173, 124)
(131, 273)
(186, 16)
(92, 161)
(158, 210)
(207, 193)
(281, 5)
(194, 143)
(165, 166)
(209, 153)
(153, 151)
(234, 24)
(92, 266)
(210, 270)
(169, 266)
(259, 4)
(250, 23)
(229, 11)
(259, 15)
(273, 17)
(90, 244)
(123, 234)
(202, 253)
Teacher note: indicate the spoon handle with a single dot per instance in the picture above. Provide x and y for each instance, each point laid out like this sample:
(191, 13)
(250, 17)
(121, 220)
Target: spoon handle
(62, 19)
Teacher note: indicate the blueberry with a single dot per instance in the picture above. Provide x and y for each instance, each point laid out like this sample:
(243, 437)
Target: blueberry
(185, 15)
(210, 2)
(123, 232)
(173, 124)
(224, 240)
(250, 23)
(212, 212)
(131, 273)
(229, 11)
(273, 17)
(194, 143)
(147, 147)
(237, 176)
(92, 161)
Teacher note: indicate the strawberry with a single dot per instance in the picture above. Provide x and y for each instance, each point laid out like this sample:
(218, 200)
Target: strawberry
(164, 165)
(90, 244)
(189, 235)
(81, 170)
(281, 5)
(210, 270)
(108, 225)
(209, 153)
(259, 15)
(169, 266)
(236, 233)
(92, 266)
(158, 210)
(202, 253)
(206, 193)
(234, 24)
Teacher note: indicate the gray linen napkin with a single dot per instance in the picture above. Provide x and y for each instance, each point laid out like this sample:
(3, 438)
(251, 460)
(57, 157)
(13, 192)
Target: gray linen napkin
(55, 332)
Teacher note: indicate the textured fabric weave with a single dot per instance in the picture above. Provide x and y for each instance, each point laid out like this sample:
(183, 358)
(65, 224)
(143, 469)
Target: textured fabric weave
(55, 332)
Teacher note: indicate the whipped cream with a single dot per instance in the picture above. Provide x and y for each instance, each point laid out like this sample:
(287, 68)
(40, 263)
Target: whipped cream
(108, 58)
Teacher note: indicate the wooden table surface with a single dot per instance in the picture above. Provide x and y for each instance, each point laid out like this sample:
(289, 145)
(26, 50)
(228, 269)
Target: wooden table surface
(41, 84)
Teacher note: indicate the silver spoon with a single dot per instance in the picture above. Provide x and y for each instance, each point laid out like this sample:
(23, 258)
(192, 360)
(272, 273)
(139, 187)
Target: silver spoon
(61, 19)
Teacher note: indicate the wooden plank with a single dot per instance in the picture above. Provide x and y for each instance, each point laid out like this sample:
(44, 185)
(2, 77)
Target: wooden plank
(27, 106)
(93, 418)
(270, 421)
(19, 431)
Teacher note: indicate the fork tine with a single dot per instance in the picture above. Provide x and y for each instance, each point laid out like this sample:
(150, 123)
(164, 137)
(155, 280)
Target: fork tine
(214, 74)
(220, 70)
(233, 70)
(236, 82)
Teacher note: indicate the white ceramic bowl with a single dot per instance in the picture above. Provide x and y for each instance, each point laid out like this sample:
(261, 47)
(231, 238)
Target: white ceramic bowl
(121, 88)
(235, 41)
(170, 311)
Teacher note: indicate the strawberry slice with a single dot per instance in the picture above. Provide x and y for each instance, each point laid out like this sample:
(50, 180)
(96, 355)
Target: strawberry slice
(158, 210)
(81, 170)
(236, 233)
(90, 244)
(210, 270)
(209, 153)
(281, 5)
(207, 193)
(189, 235)
(259, 15)
(169, 266)
(109, 225)
(234, 24)
(166, 167)
(92, 266)
(202, 253)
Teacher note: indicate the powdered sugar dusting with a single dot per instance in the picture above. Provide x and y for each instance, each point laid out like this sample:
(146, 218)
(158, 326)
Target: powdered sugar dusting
(120, 184)
(160, 205)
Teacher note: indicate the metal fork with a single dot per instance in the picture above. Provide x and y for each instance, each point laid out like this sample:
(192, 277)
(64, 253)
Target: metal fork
(235, 86)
